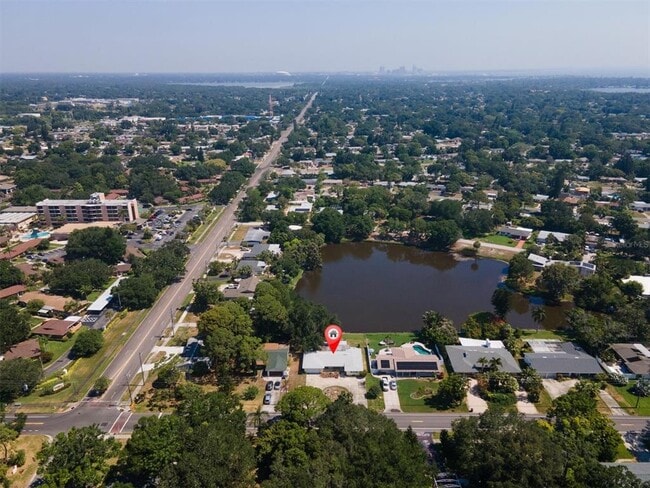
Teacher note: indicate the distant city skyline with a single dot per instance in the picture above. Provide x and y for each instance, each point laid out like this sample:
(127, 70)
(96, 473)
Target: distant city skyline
(198, 36)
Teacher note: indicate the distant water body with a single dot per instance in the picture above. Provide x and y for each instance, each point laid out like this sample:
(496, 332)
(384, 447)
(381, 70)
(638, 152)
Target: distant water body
(243, 84)
(625, 89)
(378, 287)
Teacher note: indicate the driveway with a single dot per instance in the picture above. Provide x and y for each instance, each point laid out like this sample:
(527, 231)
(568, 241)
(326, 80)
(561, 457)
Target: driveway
(353, 384)
(523, 404)
(557, 388)
(391, 400)
(474, 402)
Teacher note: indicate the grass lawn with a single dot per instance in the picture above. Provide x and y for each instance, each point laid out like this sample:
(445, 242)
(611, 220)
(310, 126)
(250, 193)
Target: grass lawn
(415, 396)
(628, 400)
(501, 240)
(294, 281)
(212, 218)
(543, 334)
(376, 404)
(544, 402)
(373, 338)
(95, 294)
(239, 233)
(84, 372)
(623, 453)
(31, 444)
(57, 348)
(182, 335)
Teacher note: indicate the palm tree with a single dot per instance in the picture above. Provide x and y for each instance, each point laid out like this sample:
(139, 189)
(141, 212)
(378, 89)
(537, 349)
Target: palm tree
(483, 363)
(539, 315)
(257, 417)
(495, 363)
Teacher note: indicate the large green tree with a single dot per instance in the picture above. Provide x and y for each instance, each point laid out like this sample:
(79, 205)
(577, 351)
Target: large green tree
(438, 330)
(77, 459)
(14, 325)
(330, 223)
(18, 377)
(558, 280)
(9, 274)
(105, 244)
(229, 341)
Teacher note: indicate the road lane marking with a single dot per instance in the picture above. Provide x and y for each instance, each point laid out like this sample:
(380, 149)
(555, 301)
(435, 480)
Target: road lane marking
(112, 426)
(126, 422)
(34, 423)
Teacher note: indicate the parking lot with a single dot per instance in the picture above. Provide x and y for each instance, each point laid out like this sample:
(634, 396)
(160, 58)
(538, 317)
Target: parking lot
(164, 224)
(276, 393)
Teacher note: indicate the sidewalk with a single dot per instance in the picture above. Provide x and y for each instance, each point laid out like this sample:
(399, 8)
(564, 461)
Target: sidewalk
(611, 403)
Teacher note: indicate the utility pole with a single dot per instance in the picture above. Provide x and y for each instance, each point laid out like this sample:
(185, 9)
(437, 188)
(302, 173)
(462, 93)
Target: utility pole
(141, 367)
(171, 316)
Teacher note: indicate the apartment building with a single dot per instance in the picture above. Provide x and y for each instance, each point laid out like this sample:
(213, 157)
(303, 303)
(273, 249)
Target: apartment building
(96, 209)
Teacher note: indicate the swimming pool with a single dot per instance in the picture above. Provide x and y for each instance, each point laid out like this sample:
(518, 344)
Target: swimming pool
(35, 235)
(420, 349)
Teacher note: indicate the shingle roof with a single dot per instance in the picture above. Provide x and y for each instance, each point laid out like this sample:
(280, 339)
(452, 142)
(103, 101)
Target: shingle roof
(564, 359)
(464, 359)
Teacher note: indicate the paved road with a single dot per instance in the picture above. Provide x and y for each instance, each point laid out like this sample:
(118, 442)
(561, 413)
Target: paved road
(123, 421)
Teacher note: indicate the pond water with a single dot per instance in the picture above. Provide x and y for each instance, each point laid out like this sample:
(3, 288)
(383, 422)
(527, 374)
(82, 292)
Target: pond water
(378, 287)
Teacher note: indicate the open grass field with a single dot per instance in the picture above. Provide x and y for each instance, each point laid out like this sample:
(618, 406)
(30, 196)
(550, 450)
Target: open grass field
(501, 240)
(418, 396)
(373, 338)
(31, 444)
(57, 349)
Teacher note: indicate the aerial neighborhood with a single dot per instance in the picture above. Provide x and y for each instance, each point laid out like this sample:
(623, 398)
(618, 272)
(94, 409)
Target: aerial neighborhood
(161, 242)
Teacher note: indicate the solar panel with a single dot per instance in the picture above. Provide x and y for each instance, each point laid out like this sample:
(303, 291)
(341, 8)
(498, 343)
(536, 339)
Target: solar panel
(416, 365)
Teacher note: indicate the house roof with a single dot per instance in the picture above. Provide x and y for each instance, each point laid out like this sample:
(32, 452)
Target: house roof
(55, 301)
(464, 359)
(258, 249)
(644, 281)
(55, 328)
(635, 356)
(27, 349)
(277, 360)
(105, 298)
(256, 235)
(20, 249)
(563, 358)
(11, 291)
(543, 235)
(405, 358)
(350, 359)
(246, 288)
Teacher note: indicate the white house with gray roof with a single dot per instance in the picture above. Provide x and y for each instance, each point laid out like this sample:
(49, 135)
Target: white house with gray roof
(467, 359)
(552, 358)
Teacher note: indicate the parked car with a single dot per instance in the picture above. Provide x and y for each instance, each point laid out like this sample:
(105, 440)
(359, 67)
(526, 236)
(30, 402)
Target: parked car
(393, 384)
(269, 385)
(384, 383)
(267, 399)
(276, 385)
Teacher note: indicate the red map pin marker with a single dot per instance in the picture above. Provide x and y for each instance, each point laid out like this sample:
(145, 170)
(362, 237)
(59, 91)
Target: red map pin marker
(333, 334)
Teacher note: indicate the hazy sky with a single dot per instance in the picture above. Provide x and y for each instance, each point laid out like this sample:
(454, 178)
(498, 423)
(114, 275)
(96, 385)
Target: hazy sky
(323, 35)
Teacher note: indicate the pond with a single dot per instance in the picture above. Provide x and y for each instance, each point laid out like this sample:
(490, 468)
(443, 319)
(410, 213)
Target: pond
(378, 287)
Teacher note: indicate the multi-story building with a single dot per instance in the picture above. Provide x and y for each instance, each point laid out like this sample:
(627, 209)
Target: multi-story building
(96, 209)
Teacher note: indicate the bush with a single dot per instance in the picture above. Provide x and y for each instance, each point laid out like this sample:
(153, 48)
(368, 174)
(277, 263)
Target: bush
(617, 379)
(373, 392)
(101, 385)
(250, 393)
(17, 458)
